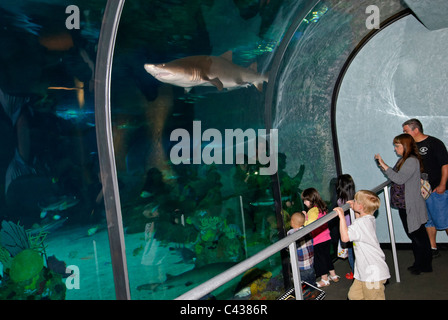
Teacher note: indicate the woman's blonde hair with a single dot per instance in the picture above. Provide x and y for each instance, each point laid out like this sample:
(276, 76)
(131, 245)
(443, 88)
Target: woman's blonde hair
(369, 201)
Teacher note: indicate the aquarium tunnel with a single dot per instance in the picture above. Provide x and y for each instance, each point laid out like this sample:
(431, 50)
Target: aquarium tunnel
(148, 146)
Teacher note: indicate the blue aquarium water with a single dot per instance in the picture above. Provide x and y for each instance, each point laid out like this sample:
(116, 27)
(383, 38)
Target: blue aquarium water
(176, 63)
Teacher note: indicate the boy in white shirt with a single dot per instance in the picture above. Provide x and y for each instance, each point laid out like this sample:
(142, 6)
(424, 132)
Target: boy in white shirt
(371, 270)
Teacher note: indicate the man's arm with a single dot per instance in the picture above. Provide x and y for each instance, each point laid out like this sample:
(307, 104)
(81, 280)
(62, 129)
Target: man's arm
(442, 185)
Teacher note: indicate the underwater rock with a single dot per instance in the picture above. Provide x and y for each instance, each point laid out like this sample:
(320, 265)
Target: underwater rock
(25, 265)
(57, 266)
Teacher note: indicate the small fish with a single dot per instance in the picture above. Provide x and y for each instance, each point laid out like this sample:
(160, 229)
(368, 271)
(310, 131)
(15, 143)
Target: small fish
(92, 231)
(137, 250)
(267, 202)
(243, 292)
(74, 114)
(145, 194)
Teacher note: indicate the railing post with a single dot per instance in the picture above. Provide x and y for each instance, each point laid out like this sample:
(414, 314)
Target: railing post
(217, 281)
(106, 156)
(295, 270)
(391, 232)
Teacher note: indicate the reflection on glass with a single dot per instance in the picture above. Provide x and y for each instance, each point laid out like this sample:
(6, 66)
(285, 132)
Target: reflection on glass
(185, 220)
(54, 242)
(206, 62)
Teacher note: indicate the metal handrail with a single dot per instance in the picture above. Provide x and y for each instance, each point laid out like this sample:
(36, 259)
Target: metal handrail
(109, 181)
(220, 279)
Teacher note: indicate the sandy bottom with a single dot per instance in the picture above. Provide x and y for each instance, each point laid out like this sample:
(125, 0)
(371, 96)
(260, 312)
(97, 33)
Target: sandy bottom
(148, 262)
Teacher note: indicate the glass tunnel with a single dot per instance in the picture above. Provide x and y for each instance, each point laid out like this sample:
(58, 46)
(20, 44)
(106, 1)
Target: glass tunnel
(137, 139)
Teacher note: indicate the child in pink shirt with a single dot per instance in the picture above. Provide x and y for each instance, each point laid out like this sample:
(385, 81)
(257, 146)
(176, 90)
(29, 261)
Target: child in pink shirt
(323, 263)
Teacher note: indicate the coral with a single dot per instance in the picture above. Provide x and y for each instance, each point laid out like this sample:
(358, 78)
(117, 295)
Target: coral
(257, 286)
(13, 237)
(5, 258)
(216, 240)
(36, 242)
(208, 235)
(209, 223)
(21, 255)
(266, 295)
(231, 249)
(44, 285)
(198, 248)
(232, 231)
(210, 227)
(25, 265)
(260, 284)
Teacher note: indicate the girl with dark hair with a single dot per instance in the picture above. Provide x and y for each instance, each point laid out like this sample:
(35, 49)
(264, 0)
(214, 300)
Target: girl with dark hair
(345, 191)
(345, 188)
(406, 197)
(323, 263)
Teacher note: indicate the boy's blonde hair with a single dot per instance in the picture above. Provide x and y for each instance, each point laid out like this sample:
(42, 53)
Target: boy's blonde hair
(297, 219)
(369, 201)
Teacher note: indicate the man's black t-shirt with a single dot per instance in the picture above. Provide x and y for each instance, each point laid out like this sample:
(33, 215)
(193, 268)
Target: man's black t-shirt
(434, 156)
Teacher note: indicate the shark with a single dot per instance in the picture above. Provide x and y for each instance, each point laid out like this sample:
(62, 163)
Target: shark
(203, 70)
(189, 279)
(47, 228)
(61, 204)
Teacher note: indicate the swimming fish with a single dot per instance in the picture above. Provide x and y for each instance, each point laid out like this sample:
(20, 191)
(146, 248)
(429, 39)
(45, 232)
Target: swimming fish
(218, 71)
(190, 278)
(92, 231)
(63, 203)
(53, 225)
(268, 202)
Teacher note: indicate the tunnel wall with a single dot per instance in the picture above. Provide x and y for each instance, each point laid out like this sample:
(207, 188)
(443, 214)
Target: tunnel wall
(399, 74)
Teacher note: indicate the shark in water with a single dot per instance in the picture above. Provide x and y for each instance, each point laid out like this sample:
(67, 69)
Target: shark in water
(61, 204)
(218, 71)
(189, 279)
